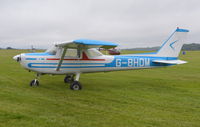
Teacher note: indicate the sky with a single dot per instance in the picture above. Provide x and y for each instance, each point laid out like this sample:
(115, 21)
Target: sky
(130, 23)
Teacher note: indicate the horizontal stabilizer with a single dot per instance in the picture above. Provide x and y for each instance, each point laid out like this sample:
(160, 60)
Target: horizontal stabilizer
(170, 61)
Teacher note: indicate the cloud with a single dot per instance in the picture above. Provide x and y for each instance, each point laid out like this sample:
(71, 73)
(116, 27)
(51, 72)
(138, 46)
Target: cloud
(131, 23)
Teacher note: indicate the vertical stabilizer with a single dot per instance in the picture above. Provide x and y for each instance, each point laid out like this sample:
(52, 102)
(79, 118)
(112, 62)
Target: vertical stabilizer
(172, 46)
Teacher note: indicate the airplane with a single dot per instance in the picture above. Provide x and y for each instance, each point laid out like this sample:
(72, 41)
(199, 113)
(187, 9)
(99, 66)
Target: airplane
(81, 56)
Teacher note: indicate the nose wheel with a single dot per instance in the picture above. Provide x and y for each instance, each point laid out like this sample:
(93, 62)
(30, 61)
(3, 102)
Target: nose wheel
(35, 82)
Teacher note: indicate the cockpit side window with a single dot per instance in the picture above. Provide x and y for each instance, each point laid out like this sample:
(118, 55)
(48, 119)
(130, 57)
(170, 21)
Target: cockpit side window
(93, 52)
(51, 51)
(71, 53)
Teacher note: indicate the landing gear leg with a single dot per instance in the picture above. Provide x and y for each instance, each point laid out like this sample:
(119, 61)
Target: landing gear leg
(76, 85)
(35, 82)
(69, 78)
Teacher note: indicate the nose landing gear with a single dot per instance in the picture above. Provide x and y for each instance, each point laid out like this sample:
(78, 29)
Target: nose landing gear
(35, 82)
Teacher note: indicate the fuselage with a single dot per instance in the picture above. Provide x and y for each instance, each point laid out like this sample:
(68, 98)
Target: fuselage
(46, 63)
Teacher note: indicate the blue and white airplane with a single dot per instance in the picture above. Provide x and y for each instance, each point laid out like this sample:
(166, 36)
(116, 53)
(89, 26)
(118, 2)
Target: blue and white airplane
(81, 56)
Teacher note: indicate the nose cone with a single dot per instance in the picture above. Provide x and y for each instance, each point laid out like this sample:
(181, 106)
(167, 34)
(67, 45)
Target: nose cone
(17, 58)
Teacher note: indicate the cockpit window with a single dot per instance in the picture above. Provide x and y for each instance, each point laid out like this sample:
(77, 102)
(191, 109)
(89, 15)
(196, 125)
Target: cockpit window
(51, 51)
(71, 53)
(93, 52)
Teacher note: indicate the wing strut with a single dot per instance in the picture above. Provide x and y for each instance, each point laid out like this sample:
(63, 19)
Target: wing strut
(61, 59)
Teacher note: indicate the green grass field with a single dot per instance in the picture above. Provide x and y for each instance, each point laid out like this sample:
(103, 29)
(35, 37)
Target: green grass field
(162, 97)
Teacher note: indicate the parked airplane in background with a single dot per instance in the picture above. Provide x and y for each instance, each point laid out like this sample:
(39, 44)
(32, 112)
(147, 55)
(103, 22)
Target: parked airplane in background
(113, 51)
(81, 56)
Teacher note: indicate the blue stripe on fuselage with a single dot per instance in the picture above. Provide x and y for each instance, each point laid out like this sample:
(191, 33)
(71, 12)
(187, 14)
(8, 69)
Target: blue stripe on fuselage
(38, 54)
(31, 58)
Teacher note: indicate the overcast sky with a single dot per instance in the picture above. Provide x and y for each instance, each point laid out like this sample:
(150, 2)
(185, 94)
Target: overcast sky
(130, 23)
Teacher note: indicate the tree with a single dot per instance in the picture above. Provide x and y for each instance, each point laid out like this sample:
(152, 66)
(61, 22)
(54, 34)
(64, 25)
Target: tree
(9, 48)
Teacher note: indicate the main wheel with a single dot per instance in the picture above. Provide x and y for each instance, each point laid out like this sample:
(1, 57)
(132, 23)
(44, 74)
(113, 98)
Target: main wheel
(68, 79)
(34, 83)
(75, 85)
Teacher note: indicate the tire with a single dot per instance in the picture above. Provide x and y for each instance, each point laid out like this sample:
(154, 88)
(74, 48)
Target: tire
(68, 79)
(34, 83)
(75, 86)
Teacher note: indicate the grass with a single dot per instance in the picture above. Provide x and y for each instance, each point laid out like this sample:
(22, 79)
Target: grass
(163, 97)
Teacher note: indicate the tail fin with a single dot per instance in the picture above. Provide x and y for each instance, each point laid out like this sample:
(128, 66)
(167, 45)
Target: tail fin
(172, 46)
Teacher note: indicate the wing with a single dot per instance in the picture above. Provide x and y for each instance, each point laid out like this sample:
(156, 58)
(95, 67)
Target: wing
(83, 44)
